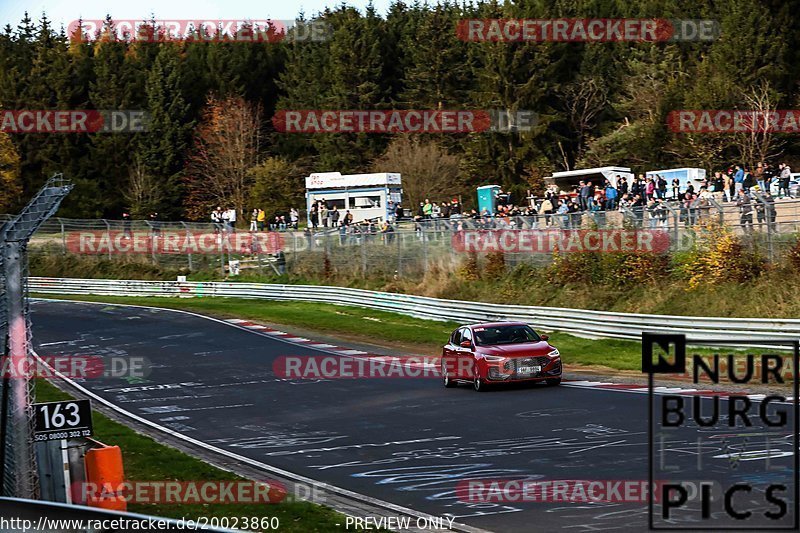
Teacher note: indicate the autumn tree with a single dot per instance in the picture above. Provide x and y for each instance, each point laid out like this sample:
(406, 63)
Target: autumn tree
(10, 185)
(277, 186)
(226, 148)
(427, 169)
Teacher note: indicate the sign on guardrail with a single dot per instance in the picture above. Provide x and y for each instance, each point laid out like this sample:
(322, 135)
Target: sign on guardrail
(62, 420)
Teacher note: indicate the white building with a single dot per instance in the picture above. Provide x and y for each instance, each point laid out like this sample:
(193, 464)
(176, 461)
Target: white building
(366, 196)
(565, 181)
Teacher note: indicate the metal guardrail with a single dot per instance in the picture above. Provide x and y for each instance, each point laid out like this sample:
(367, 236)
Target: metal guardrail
(581, 322)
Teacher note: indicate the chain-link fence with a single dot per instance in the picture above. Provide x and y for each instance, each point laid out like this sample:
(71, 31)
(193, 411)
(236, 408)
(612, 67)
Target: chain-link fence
(406, 248)
(19, 476)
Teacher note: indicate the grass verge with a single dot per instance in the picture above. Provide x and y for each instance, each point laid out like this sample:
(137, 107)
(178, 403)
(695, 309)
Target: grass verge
(146, 460)
(426, 336)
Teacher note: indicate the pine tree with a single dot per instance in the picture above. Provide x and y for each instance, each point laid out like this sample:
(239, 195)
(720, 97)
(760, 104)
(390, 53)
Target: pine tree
(163, 148)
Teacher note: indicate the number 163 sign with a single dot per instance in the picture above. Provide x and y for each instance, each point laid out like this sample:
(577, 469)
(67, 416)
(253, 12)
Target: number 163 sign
(62, 420)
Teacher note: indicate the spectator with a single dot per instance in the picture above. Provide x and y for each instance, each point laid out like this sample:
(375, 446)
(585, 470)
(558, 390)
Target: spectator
(575, 214)
(294, 217)
(760, 215)
(584, 191)
(661, 187)
(662, 213)
(772, 214)
(398, 211)
(313, 215)
(783, 182)
(650, 189)
(232, 220)
(676, 188)
(254, 220)
(563, 212)
(769, 176)
(427, 210)
(421, 211)
(388, 232)
(126, 225)
(738, 180)
(690, 211)
(261, 219)
(547, 209)
(622, 186)
(745, 210)
(759, 176)
(334, 214)
(216, 219)
(652, 212)
(749, 181)
(611, 196)
(455, 207)
(323, 214)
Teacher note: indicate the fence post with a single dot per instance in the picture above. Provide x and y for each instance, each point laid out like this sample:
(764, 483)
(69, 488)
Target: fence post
(424, 247)
(189, 254)
(364, 256)
(108, 234)
(766, 215)
(63, 236)
(400, 237)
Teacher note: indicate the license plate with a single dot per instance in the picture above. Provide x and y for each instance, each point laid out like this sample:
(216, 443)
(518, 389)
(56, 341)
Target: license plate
(529, 370)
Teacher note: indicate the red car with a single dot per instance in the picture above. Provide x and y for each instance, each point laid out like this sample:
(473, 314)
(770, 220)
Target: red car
(499, 352)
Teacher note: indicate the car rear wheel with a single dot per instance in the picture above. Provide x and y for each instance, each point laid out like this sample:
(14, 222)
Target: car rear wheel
(449, 383)
(477, 382)
(553, 382)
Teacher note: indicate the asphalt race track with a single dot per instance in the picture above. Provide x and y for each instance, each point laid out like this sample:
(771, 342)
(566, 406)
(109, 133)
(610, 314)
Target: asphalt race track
(406, 441)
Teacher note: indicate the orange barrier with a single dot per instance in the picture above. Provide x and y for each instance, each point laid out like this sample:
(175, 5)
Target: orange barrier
(104, 473)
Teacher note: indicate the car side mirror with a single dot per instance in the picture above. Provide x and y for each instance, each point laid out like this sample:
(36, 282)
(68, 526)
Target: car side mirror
(466, 344)
(544, 337)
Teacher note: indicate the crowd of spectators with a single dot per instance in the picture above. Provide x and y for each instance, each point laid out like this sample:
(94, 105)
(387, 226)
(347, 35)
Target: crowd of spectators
(651, 199)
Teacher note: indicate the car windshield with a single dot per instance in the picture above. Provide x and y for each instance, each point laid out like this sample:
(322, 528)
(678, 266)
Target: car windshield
(512, 334)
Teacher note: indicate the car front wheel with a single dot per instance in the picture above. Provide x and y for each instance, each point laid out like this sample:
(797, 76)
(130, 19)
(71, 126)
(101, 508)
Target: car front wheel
(477, 383)
(553, 382)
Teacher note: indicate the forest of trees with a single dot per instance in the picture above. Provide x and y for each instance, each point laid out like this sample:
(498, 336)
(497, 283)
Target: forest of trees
(598, 103)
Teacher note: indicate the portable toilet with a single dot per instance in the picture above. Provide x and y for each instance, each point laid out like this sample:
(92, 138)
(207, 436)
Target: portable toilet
(487, 198)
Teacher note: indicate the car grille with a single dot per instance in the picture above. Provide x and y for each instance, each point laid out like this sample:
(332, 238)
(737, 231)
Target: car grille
(513, 365)
(527, 361)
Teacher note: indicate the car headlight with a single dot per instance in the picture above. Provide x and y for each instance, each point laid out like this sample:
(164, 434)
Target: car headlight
(494, 358)
(554, 353)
